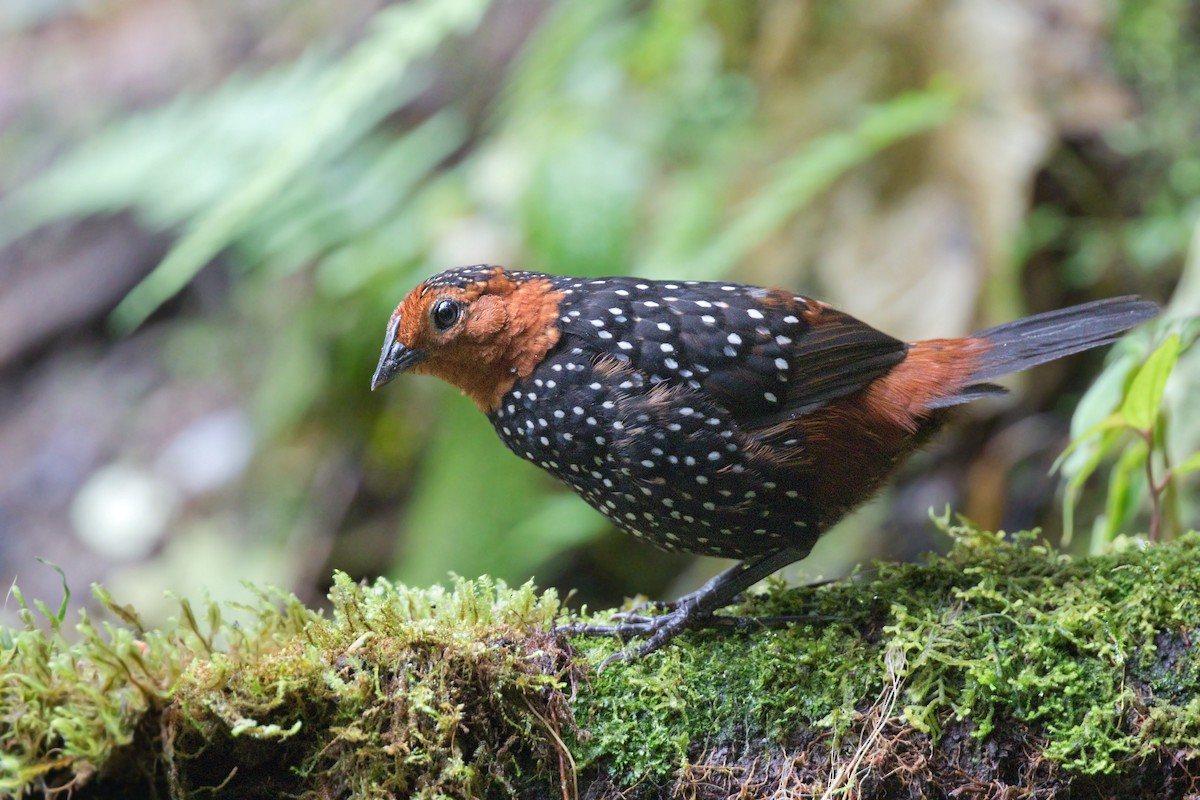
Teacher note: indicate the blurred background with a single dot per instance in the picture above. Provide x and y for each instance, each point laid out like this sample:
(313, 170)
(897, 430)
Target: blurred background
(208, 209)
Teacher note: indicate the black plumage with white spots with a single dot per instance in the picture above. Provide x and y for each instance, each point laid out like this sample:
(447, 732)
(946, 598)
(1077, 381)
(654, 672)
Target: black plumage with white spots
(656, 406)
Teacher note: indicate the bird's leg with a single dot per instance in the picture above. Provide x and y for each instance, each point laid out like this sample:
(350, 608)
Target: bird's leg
(693, 609)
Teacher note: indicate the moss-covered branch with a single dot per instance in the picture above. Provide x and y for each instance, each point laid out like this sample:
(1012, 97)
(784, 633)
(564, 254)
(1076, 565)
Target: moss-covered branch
(1003, 669)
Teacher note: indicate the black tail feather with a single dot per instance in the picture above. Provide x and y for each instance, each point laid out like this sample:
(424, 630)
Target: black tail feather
(1035, 340)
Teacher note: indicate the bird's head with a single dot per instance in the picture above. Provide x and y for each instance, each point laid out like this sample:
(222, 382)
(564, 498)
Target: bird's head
(477, 328)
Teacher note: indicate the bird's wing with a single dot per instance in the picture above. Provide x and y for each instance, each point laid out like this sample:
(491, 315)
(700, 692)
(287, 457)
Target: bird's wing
(765, 356)
(810, 355)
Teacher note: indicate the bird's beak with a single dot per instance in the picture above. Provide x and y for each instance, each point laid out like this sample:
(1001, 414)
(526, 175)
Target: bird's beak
(394, 359)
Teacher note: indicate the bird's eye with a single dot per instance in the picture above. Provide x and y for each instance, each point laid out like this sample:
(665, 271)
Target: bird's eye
(445, 313)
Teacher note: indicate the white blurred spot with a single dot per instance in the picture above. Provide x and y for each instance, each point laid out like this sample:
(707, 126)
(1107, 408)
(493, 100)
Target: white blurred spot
(209, 452)
(121, 512)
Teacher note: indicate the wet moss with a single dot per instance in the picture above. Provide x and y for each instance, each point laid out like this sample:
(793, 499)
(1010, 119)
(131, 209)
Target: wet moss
(1001, 664)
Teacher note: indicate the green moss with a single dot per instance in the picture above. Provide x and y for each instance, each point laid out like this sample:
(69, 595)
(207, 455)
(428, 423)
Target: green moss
(644, 718)
(1083, 665)
(999, 631)
(401, 692)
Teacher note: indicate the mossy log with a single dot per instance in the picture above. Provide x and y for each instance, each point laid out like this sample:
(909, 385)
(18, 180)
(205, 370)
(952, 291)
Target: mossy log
(1001, 670)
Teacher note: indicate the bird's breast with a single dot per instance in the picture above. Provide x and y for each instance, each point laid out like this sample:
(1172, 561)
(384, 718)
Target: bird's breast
(655, 458)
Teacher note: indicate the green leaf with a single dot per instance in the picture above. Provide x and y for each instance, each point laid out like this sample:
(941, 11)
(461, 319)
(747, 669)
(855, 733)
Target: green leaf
(1107, 391)
(1080, 473)
(1113, 421)
(1191, 465)
(1125, 489)
(1149, 382)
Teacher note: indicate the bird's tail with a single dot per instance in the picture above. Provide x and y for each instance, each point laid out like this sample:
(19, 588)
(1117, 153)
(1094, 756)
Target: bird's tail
(1035, 340)
(1027, 342)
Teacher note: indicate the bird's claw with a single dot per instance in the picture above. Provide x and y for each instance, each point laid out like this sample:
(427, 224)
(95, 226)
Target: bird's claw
(662, 629)
(630, 624)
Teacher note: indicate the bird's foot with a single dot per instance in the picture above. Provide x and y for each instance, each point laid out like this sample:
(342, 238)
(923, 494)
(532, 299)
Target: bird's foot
(695, 610)
(630, 624)
(637, 614)
(646, 611)
(659, 630)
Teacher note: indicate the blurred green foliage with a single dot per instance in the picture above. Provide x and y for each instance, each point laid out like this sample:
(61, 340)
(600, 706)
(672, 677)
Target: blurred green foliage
(1135, 437)
(1139, 206)
(624, 137)
(615, 144)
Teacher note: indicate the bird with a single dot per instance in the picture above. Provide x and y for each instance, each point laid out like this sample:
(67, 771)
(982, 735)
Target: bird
(716, 418)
